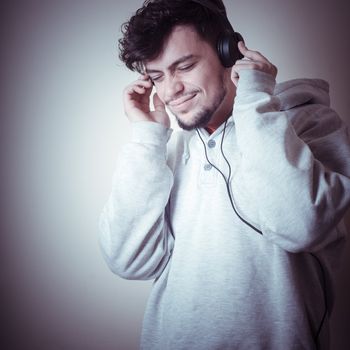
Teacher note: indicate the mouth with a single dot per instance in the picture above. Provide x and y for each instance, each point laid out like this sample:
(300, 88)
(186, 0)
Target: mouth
(182, 102)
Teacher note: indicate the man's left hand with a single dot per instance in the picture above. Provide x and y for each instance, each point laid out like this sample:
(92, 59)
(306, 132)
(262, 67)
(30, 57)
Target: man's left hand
(251, 60)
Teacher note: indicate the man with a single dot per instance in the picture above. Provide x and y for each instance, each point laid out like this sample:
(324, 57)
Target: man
(237, 216)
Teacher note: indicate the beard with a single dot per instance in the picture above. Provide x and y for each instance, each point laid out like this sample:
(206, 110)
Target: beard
(200, 120)
(204, 115)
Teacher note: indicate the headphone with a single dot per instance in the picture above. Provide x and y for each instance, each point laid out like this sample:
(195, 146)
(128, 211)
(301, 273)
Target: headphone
(227, 44)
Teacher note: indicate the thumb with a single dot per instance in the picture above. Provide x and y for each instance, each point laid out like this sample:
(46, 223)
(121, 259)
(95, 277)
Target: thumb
(159, 106)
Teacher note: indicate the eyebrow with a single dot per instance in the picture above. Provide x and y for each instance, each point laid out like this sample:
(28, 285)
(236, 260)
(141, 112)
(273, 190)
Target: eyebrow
(174, 64)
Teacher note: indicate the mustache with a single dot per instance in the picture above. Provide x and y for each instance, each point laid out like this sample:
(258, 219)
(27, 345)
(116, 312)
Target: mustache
(173, 99)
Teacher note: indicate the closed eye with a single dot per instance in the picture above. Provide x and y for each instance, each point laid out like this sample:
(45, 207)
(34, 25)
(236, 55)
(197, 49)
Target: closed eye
(156, 78)
(186, 67)
(183, 68)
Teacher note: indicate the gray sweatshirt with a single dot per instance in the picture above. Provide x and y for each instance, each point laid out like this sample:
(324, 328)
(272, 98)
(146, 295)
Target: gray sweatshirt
(219, 284)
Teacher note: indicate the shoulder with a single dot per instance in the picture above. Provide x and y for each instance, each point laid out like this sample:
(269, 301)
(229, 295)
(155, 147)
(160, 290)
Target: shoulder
(298, 92)
(307, 105)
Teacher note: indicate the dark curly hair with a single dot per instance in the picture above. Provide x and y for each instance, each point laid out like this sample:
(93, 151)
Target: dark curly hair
(146, 31)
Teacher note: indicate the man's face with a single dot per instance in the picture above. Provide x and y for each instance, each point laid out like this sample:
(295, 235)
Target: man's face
(191, 81)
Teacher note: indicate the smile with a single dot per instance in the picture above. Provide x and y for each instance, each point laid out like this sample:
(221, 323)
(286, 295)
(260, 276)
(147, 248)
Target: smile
(181, 101)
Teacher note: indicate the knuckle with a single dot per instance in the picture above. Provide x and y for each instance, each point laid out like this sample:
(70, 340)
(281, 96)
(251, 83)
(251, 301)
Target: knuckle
(259, 66)
(274, 69)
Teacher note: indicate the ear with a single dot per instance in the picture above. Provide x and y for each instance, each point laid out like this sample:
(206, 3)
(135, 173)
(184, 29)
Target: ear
(234, 77)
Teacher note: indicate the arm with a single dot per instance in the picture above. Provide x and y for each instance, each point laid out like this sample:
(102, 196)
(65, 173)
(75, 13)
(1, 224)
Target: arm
(134, 235)
(299, 181)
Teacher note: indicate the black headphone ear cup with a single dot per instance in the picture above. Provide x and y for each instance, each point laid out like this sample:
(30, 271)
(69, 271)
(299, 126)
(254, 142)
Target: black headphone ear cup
(228, 50)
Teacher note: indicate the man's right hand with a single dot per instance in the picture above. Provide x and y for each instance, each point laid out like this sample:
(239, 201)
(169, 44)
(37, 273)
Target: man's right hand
(137, 103)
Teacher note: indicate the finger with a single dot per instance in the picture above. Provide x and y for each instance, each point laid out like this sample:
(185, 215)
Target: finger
(143, 82)
(158, 103)
(140, 90)
(147, 78)
(260, 66)
(144, 77)
(253, 55)
(246, 61)
(139, 86)
(251, 65)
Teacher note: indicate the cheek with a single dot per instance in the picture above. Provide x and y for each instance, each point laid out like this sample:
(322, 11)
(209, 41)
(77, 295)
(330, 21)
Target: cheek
(214, 82)
(207, 78)
(159, 91)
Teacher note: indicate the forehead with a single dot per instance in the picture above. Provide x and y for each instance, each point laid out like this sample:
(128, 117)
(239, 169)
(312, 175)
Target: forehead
(182, 41)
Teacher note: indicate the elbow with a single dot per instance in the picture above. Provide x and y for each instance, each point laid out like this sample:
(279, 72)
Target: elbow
(134, 272)
(292, 242)
(131, 266)
(126, 272)
(117, 262)
(302, 244)
(305, 236)
(133, 257)
(122, 268)
(121, 265)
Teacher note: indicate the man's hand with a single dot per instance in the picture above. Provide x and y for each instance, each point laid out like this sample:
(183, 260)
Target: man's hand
(136, 99)
(251, 60)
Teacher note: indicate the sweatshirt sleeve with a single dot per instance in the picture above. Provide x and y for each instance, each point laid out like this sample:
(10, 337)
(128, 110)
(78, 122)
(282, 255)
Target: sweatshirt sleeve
(296, 173)
(134, 236)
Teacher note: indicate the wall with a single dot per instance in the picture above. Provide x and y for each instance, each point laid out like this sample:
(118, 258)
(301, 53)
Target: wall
(62, 126)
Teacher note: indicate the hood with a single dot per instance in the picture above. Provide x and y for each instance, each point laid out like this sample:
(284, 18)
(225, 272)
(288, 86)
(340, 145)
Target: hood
(297, 92)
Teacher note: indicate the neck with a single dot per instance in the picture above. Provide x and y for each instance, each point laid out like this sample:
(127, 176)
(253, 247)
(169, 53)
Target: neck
(223, 113)
(210, 129)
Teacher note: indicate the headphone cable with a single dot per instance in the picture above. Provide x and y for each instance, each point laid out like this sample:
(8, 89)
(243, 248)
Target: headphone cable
(227, 183)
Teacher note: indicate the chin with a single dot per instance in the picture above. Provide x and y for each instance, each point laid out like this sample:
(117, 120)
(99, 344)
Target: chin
(194, 119)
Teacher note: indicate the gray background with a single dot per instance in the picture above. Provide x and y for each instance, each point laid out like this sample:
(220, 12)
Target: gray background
(62, 124)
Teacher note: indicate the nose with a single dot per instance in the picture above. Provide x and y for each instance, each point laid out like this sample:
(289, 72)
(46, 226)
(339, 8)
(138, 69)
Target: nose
(172, 87)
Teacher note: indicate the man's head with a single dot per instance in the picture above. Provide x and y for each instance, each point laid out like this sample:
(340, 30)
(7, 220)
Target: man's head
(144, 34)
(175, 40)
